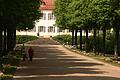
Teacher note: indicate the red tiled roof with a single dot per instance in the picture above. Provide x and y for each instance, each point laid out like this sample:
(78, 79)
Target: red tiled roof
(49, 5)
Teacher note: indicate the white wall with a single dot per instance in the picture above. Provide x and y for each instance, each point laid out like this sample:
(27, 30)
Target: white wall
(46, 23)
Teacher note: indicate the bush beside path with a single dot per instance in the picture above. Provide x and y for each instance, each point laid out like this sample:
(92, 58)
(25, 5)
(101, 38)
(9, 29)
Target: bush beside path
(54, 62)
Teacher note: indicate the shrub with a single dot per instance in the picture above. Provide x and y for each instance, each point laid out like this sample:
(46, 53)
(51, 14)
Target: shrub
(10, 59)
(63, 39)
(6, 77)
(8, 69)
(99, 43)
(24, 38)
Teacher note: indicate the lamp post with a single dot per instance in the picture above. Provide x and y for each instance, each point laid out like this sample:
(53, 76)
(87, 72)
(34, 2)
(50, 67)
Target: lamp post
(26, 33)
(26, 30)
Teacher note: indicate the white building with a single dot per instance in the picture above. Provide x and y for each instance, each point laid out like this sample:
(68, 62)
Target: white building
(45, 26)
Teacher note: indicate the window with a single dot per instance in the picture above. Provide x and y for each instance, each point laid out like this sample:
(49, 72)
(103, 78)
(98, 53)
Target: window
(41, 29)
(51, 16)
(43, 16)
(51, 29)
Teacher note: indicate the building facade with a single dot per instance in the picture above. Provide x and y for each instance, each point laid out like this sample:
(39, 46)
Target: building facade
(45, 26)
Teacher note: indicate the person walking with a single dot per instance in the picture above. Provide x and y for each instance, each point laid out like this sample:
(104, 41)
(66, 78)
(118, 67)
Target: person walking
(30, 52)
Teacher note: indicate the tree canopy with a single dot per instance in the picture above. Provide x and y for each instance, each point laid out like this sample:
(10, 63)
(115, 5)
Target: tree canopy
(61, 13)
(20, 13)
(88, 13)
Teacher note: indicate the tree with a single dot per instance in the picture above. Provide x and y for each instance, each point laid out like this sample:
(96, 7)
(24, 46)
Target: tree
(109, 17)
(1, 23)
(90, 14)
(62, 19)
(60, 12)
(17, 14)
(115, 14)
(29, 14)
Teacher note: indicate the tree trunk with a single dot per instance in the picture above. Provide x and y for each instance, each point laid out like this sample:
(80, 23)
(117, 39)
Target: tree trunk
(80, 39)
(72, 36)
(5, 41)
(116, 51)
(104, 41)
(98, 49)
(14, 37)
(10, 39)
(94, 46)
(76, 30)
(87, 43)
(0, 42)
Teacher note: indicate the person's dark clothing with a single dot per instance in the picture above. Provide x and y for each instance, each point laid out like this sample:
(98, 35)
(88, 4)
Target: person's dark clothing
(30, 52)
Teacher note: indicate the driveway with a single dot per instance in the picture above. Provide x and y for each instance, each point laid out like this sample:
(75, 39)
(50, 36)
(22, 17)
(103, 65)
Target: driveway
(54, 62)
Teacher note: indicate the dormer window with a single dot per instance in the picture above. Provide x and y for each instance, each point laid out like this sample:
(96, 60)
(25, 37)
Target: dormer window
(51, 16)
(43, 16)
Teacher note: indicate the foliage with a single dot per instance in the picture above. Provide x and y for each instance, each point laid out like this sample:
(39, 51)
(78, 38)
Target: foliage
(28, 13)
(63, 39)
(8, 69)
(9, 63)
(10, 59)
(6, 77)
(88, 13)
(61, 13)
(99, 43)
(20, 13)
(23, 38)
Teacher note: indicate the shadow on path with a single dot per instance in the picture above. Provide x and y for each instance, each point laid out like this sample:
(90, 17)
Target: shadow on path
(51, 63)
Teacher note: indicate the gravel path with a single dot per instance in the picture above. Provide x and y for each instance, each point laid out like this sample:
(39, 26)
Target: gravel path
(53, 62)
